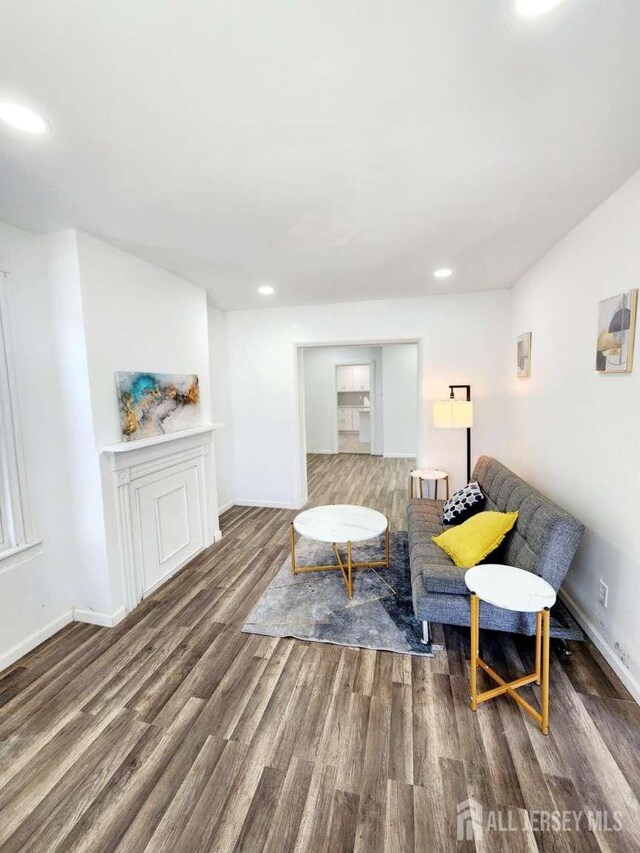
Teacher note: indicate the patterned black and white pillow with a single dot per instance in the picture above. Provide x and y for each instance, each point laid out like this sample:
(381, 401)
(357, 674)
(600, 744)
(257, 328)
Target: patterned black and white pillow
(463, 504)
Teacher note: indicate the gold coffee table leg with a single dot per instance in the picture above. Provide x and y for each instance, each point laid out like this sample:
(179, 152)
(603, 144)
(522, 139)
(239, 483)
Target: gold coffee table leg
(346, 566)
(475, 638)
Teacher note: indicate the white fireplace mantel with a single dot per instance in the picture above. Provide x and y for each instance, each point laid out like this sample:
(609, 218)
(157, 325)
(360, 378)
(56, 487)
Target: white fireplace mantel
(164, 499)
(128, 446)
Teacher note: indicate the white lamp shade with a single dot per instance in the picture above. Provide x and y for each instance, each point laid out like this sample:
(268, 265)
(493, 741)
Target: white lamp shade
(453, 414)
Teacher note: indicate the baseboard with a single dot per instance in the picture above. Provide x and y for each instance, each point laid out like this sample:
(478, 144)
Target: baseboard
(217, 536)
(330, 452)
(94, 617)
(225, 507)
(269, 504)
(400, 455)
(632, 685)
(33, 640)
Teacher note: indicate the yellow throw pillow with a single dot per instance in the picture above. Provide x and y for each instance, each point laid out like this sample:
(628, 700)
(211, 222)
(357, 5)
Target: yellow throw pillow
(469, 543)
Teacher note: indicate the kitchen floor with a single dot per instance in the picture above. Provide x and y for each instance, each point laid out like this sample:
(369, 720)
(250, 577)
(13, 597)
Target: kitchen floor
(349, 442)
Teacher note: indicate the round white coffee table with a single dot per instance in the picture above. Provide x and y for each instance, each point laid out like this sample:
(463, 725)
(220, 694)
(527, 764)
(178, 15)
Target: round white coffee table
(341, 524)
(431, 475)
(524, 592)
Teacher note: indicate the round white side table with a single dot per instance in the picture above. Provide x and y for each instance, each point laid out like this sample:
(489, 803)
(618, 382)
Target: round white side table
(340, 524)
(431, 475)
(512, 589)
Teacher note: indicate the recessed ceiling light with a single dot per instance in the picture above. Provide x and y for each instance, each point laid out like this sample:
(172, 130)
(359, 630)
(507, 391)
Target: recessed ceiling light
(535, 8)
(445, 272)
(265, 290)
(22, 118)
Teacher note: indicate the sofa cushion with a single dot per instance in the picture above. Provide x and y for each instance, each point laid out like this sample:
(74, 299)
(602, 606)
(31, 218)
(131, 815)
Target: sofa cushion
(431, 568)
(463, 504)
(431, 576)
(428, 512)
(470, 542)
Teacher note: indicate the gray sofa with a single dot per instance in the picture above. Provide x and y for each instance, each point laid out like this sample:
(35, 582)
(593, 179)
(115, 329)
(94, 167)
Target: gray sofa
(544, 540)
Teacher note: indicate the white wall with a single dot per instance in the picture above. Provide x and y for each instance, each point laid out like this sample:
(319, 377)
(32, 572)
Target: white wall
(81, 475)
(37, 592)
(464, 338)
(221, 405)
(576, 434)
(137, 317)
(400, 409)
(320, 394)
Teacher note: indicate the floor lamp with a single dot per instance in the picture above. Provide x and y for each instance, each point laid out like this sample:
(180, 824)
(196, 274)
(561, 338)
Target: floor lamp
(456, 414)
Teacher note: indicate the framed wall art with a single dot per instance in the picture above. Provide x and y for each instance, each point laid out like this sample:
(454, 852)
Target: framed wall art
(524, 356)
(616, 333)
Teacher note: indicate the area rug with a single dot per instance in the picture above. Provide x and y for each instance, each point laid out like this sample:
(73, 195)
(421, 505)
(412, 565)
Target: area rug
(314, 605)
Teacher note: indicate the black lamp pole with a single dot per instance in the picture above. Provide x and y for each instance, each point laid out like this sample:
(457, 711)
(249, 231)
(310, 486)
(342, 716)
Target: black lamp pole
(452, 396)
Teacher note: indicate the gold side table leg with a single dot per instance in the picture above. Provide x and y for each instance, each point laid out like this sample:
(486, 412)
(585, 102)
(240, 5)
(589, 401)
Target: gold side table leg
(292, 545)
(387, 544)
(446, 480)
(410, 486)
(349, 574)
(475, 638)
(546, 619)
(538, 646)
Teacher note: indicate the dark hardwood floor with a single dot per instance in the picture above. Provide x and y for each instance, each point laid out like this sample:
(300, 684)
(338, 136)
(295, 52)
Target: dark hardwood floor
(175, 732)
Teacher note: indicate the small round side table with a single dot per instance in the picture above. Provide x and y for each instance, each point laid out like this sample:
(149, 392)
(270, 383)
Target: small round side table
(512, 589)
(430, 474)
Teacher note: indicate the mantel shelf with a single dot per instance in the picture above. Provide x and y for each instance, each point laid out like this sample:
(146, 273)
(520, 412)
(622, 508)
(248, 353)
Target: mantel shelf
(127, 446)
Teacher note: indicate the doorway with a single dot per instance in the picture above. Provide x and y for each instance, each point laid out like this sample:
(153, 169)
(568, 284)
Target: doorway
(358, 401)
(340, 400)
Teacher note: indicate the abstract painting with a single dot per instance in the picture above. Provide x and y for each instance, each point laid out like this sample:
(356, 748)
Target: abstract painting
(616, 331)
(524, 356)
(157, 403)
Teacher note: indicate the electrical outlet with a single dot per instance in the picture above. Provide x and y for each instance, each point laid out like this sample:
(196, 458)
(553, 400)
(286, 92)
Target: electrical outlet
(603, 594)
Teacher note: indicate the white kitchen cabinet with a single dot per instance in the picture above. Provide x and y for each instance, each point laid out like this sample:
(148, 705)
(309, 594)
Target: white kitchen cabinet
(345, 377)
(348, 419)
(353, 377)
(345, 420)
(360, 377)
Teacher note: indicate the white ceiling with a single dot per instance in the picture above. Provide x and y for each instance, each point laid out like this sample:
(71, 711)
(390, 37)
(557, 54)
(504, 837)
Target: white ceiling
(339, 150)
